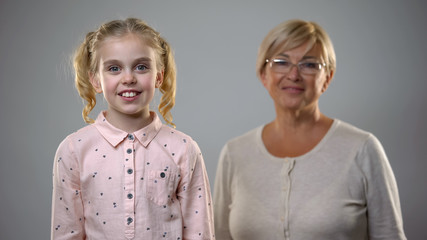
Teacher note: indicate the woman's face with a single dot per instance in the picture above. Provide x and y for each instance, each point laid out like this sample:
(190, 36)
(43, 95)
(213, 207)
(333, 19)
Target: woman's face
(296, 90)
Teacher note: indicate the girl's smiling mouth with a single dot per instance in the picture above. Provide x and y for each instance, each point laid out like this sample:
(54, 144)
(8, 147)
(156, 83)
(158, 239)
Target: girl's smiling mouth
(129, 93)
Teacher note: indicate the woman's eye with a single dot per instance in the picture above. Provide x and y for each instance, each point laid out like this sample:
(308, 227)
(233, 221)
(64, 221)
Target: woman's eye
(141, 67)
(310, 65)
(281, 62)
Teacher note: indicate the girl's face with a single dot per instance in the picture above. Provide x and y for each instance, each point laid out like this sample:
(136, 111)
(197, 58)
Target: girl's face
(127, 75)
(296, 91)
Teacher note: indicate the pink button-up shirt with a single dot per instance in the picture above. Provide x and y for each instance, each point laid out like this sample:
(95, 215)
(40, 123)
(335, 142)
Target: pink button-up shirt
(150, 184)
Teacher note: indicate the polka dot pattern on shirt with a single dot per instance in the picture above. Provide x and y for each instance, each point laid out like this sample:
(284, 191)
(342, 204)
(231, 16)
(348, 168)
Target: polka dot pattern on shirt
(142, 175)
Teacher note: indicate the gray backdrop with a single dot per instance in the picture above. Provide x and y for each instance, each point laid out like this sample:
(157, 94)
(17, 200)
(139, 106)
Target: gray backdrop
(379, 85)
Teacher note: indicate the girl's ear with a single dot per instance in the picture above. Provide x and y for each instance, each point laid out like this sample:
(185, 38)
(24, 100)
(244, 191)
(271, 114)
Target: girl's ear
(159, 78)
(94, 80)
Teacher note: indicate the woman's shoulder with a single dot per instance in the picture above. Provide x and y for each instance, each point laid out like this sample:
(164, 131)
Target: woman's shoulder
(346, 130)
(370, 155)
(348, 133)
(246, 140)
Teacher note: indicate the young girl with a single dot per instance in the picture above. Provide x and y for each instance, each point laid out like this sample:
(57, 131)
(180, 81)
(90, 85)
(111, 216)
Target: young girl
(128, 176)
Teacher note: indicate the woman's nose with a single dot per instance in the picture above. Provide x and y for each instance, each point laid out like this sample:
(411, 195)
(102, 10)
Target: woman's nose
(293, 73)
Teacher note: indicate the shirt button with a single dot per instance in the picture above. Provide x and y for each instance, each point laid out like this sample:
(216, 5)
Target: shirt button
(129, 220)
(162, 175)
(130, 171)
(129, 151)
(130, 196)
(130, 137)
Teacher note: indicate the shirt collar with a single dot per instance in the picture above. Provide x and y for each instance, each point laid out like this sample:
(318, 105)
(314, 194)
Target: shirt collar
(115, 136)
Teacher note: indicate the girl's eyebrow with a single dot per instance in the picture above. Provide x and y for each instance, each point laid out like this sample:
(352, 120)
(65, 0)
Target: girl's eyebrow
(116, 61)
(143, 59)
(110, 62)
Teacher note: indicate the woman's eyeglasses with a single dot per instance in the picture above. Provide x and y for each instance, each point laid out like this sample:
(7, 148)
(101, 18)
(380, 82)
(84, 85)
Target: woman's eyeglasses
(284, 66)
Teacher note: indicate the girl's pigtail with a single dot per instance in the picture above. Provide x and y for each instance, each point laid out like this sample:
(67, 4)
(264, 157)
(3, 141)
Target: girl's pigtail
(82, 63)
(168, 87)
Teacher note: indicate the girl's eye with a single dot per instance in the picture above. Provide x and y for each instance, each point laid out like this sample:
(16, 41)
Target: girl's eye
(141, 67)
(113, 69)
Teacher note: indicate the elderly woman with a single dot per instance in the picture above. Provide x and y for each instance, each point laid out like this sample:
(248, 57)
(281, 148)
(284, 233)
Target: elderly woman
(304, 175)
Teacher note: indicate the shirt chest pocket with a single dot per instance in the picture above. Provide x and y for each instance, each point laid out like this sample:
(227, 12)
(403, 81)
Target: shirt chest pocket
(160, 186)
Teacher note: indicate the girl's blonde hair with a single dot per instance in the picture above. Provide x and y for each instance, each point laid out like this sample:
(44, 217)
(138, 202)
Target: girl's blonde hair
(86, 62)
(291, 34)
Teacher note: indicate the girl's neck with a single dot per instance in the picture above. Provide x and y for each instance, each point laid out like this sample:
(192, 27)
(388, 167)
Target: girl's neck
(129, 123)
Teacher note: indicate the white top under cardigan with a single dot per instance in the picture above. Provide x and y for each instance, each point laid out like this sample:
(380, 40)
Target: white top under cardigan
(342, 189)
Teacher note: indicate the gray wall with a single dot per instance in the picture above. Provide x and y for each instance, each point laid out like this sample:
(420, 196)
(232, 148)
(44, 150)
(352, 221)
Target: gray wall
(379, 85)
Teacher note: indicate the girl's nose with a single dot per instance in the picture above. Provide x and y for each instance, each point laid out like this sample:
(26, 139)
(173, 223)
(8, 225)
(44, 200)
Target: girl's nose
(128, 78)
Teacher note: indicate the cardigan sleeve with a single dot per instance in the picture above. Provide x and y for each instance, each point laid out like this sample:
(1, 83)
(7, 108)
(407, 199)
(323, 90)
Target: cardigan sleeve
(384, 213)
(222, 196)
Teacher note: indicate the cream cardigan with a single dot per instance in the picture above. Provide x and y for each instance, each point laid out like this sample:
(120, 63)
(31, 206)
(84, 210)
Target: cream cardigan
(342, 189)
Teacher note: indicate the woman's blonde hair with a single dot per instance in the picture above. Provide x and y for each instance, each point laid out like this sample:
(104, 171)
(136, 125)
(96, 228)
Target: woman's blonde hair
(86, 62)
(291, 34)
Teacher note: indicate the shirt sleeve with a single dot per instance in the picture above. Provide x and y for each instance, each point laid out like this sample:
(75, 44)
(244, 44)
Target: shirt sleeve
(195, 197)
(67, 206)
(222, 196)
(384, 213)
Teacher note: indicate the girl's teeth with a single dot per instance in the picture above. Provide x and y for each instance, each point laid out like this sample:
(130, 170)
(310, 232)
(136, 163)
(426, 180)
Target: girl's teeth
(129, 94)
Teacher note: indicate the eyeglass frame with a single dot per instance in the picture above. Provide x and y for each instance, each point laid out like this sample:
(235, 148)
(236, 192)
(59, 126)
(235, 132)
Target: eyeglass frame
(276, 60)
